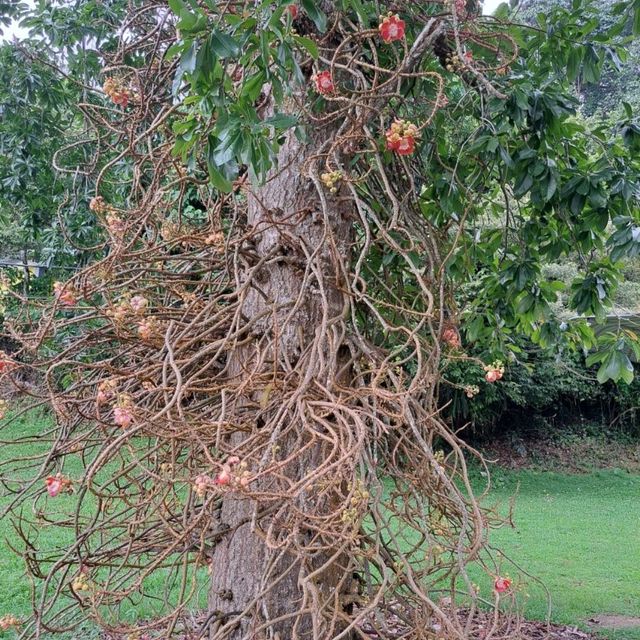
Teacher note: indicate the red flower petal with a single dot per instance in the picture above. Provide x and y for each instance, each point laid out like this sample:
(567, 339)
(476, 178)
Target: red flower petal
(406, 146)
(391, 29)
(324, 82)
(501, 584)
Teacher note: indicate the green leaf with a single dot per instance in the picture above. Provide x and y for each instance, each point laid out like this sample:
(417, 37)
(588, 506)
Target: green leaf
(573, 63)
(308, 44)
(502, 11)
(178, 6)
(616, 366)
(188, 59)
(282, 121)
(597, 199)
(253, 85)
(217, 179)
(552, 184)
(223, 44)
(523, 185)
(594, 358)
(316, 14)
(187, 21)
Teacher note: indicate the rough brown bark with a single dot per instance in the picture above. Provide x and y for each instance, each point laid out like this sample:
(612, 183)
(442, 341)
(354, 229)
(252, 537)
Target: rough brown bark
(288, 219)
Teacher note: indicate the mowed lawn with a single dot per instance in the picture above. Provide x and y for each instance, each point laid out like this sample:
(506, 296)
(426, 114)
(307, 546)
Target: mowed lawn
(579, 534)
(15, 587)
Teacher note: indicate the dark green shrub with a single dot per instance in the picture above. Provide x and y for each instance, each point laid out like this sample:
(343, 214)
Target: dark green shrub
(539, 393)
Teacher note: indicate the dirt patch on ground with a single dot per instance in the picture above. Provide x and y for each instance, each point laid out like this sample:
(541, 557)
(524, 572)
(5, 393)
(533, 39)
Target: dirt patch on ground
(614, 621)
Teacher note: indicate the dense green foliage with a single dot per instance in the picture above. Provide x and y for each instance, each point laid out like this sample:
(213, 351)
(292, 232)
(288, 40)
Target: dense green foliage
(38, 113)
(540, 396)
(611, 77)
(44, 78)
(562, 181)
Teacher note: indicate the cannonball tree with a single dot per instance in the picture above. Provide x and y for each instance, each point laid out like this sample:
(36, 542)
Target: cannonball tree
(246, 380)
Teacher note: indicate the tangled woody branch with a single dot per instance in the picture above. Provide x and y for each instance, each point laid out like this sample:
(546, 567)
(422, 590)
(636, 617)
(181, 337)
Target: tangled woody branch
(245, 362)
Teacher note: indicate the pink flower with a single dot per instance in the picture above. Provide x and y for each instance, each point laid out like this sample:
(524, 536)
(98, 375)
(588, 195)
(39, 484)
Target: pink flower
(491, 375)
(406, 146)
(54, 485)
(105, 391)
(324, 83)
(65, 296)
(5, 362)
(293, 11)
(115, 224)
(138, 303)
(201, 483)
(97, 204)
(122, 417)
(117, 91)
(393, 140)
(391, 28)
(401, 137)
(451, 337)
(233, 460)
(146, 328)
(223, 478)
(501, 584)
(120, 98)
(7, 621)
(494, 371)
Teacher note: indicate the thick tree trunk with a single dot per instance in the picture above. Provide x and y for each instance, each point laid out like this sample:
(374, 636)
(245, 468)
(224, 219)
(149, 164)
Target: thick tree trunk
(287, 219)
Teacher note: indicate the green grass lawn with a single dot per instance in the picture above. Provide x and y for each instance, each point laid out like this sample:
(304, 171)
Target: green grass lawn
(580, 534)
(15, 587)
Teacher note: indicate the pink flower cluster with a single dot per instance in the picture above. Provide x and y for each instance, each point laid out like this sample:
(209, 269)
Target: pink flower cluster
(324, 83)
(7, 621)
(401, 137)
(234, 473)
(450, 336)
(56, 484)
(6, 363)
(147, 328)
(65, 294)
(117, 91)
(494, 371)
(123, 411)
(138, 304)
(106, 390)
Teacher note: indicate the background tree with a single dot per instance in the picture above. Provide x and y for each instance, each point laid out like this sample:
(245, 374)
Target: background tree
(292, 197)
(602, 87)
